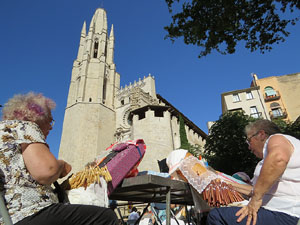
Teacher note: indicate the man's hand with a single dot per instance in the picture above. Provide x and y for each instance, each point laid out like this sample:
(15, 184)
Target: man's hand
(250, 210)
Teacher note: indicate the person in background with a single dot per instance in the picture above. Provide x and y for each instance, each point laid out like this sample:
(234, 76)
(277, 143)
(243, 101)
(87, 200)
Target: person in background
(147, 219)
(28, 168)
(242, 176)
(133, 216)
(275, 194)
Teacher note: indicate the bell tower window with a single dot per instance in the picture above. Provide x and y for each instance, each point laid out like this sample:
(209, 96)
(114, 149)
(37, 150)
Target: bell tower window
(104, 89)
(96, 45)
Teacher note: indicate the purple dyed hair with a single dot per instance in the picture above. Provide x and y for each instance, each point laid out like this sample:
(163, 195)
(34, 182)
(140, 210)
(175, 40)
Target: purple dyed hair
(30, 107)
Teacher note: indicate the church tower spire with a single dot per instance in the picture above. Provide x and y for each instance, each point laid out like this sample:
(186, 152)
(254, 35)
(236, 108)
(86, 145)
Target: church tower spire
(92, 92)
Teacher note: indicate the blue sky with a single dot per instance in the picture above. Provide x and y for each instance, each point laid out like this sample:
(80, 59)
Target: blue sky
(39, 41)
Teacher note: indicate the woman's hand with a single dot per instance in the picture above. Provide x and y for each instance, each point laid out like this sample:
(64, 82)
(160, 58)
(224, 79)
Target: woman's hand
(66, 168)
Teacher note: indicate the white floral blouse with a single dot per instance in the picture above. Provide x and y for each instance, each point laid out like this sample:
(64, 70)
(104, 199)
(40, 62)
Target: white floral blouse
(23, 195)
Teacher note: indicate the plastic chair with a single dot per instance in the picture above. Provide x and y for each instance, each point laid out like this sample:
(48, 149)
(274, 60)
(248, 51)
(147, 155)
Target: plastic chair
(4, 212)
(163, 167)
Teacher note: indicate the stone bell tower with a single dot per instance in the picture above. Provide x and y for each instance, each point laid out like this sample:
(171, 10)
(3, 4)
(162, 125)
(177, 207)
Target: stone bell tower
(89, 122)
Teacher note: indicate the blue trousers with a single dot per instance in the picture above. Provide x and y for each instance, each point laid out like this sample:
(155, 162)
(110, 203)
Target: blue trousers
(226, 216)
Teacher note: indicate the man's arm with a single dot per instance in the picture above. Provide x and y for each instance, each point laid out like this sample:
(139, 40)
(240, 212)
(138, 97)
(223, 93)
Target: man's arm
(242, 188)
(279, 152)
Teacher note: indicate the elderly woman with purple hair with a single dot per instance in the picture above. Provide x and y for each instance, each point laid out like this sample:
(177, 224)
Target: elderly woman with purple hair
(28, 168)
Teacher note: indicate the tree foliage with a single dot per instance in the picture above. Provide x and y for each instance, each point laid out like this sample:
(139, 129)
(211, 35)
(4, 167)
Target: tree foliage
(220, 24)
(184, 143)
(290, 128)
(226, 149)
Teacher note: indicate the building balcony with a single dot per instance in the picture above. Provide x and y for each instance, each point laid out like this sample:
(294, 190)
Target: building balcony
(282, 114)
(256, 115)
(272, 97)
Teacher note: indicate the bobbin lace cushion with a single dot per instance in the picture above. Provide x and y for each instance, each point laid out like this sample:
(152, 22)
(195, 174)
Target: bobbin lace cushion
(23, 195)
(198, 181)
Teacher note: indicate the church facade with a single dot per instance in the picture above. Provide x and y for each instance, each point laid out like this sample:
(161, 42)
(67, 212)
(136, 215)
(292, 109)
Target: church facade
(99, 112)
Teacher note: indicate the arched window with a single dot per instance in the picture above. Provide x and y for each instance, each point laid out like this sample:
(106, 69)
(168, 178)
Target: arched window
(77, 88)
(276, 110)
(96, 45)
(104, 90)
(269, 91)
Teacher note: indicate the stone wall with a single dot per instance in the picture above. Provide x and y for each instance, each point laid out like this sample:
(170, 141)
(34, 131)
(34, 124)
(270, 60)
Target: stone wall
(88, 130)
(156, 132)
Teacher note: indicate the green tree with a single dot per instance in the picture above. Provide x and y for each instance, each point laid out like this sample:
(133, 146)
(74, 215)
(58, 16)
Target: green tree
(226, 149)
(290, 128)
(220, 24)
(184, 143)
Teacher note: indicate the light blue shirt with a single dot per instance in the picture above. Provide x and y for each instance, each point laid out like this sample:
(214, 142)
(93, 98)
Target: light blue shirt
(133, 217)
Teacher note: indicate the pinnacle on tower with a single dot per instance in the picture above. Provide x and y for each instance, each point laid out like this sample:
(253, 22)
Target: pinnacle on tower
(111, 43)
(111, 35)
(83, 30)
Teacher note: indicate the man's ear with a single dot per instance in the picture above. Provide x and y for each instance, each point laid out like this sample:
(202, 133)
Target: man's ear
(264, 135)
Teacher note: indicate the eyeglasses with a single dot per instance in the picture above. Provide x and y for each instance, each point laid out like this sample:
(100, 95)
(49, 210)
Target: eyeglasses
(52, 122)
(248, 140)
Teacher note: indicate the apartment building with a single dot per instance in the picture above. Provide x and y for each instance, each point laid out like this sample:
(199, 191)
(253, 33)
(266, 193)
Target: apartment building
(269, 98)
(249, 100)
(281, 95)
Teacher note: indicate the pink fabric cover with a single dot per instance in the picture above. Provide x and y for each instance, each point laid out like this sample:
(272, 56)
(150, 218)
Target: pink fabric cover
(124, 161)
